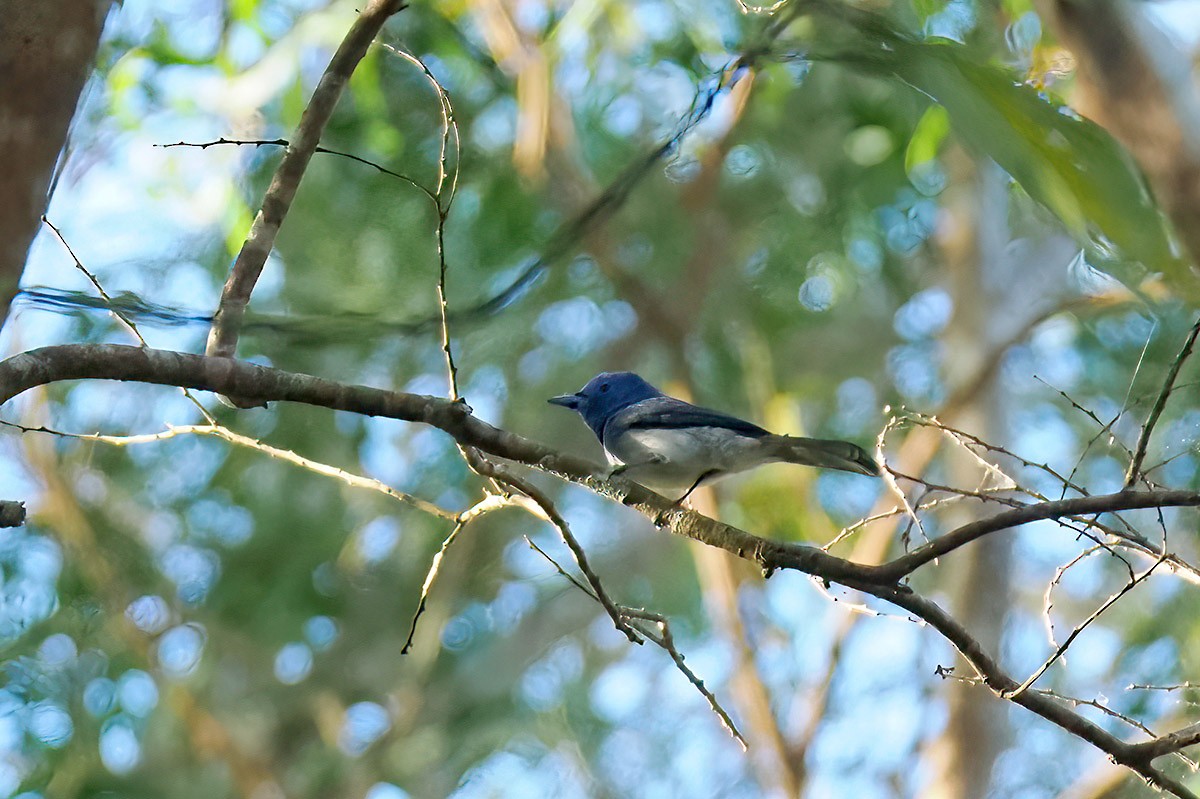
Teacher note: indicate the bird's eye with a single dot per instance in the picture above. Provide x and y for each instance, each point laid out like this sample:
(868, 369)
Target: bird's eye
(603, 387)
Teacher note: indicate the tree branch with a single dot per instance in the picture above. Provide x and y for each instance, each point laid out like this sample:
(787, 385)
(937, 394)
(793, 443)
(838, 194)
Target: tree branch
(222, 339)
(1166, 744)
(262, 384)
(227, 376)
(1135, 757)
(1061, 649)
(1126, 499)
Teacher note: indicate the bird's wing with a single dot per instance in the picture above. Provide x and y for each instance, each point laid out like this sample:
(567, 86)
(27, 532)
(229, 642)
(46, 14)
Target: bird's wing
(670, 413)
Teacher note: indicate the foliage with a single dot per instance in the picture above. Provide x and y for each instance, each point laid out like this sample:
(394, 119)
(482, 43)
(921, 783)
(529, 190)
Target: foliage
(191, 618)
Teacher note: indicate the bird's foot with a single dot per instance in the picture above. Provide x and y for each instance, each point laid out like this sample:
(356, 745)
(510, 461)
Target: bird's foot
(680, 504)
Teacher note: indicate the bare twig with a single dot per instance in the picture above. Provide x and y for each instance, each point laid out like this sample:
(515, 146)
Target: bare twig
(1062, 648)
(117, 314)
(489, 503)
(948, 673)
(668, 643)
(1059, 573)
(120, 317)
(969, 440)
(889, 479)
(1187, 685)
(993, 676)
(434, 567)
(1139, 451)
(550, 513)
(225, 434)
(443, 198)
(204, 145)
(662, 638)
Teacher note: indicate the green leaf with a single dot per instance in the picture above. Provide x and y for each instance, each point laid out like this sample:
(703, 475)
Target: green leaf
(927, 8)
(927, 137)
(1067, 163)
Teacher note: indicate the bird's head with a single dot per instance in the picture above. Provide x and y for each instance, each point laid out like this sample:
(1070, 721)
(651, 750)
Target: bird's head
(604, 395)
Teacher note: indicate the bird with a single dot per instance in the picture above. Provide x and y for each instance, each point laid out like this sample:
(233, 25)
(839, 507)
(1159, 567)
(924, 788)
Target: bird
(667, 444)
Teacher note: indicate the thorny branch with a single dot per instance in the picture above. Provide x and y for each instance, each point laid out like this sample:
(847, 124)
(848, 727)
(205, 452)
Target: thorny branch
(1139, 453)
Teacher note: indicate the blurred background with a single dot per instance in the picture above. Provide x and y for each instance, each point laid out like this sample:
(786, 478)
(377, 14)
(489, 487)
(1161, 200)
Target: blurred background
(979, 209)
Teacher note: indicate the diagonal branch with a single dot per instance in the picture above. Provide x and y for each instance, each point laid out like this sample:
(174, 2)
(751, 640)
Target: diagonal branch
(1135, 757)
(663, 638)
(1167, 744)
(1126, 499)
(222, 339)
(1062, 648)
(546, 509)
(1139, 453)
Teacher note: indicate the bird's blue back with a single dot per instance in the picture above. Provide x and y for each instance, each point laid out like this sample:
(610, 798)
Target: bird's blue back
(609, 393)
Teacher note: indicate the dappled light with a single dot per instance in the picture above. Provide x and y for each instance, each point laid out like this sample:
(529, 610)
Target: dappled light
(883, 476)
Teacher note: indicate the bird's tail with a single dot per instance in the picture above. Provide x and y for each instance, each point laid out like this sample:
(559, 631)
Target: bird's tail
(824, 453)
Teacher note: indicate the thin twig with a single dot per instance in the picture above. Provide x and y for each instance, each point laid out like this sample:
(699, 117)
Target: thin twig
(550, 513)
(434, 567)
(889, 480)
(1079, 628)
(1183, 686)
(224, 433)
(443, 199)
(994, 677)
(1139, 451)
(948, 673)
(1048, 595)
(204, 145)
(118, 315)
(662, 639)
(489, 503)
(924, 420)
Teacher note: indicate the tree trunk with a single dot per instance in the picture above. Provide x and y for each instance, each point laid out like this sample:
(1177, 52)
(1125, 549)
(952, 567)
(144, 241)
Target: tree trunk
(47, 49)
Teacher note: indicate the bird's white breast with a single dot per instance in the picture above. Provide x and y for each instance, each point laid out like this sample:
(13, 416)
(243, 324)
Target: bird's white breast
(669, 458)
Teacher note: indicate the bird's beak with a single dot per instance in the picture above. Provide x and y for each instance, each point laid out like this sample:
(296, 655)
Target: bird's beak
(566, 400)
